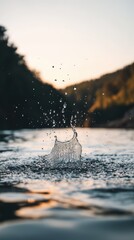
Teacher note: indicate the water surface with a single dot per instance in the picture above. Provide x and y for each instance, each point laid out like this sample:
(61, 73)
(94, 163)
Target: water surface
(91, 198)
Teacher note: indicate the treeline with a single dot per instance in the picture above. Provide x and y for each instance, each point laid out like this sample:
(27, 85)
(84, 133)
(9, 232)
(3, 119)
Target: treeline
(25, 101)
(105, 102)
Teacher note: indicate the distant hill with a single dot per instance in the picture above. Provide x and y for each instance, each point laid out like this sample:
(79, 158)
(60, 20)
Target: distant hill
(25, 101)
(106, 101)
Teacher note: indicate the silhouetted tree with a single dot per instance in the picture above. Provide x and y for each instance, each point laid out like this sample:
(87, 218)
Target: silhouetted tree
(25, 101)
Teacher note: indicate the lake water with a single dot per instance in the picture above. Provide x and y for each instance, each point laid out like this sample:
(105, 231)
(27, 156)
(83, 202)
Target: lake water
(88, 199)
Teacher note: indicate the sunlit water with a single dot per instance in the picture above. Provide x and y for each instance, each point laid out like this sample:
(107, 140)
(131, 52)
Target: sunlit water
(67, 193)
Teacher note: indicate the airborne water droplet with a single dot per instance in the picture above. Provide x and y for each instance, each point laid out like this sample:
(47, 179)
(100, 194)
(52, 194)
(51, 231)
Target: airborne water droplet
(64, 105)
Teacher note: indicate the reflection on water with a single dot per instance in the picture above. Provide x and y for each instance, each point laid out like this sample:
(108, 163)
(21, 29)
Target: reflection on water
(98, 186)
(20, 202)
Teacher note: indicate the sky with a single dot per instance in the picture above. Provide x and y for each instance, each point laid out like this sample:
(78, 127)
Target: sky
(69, 41)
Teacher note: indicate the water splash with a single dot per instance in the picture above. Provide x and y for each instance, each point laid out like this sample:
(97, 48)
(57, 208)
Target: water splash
(66, 151)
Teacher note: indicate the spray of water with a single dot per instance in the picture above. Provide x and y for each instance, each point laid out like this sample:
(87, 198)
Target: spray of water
(66, 151)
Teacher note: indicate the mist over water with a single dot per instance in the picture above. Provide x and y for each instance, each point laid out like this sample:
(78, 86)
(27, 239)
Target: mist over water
(98, 185)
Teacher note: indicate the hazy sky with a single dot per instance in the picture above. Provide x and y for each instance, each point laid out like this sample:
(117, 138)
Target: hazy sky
(82, 39)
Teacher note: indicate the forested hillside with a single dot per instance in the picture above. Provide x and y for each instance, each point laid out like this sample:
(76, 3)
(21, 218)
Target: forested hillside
(25, 101)
(105, 102)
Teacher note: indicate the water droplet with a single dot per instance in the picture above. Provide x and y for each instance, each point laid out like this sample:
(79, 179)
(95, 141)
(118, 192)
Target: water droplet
(65, 105)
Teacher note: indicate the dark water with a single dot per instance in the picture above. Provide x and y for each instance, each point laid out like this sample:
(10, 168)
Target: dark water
(91, 199)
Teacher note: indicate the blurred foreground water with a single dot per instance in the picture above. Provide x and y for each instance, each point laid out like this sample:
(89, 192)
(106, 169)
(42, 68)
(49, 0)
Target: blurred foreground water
(88, 199)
